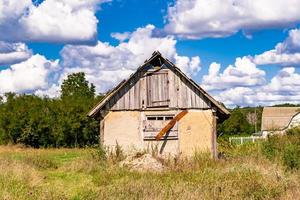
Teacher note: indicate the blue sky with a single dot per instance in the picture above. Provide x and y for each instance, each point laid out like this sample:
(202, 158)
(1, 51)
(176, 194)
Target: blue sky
(242, 52)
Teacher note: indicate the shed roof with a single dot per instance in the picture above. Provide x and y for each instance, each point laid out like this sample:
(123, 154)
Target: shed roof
(156, 55)
(277, 118)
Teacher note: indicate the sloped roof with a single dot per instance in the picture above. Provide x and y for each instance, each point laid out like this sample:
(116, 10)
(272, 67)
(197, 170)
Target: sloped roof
(155, 55)
(277, 118)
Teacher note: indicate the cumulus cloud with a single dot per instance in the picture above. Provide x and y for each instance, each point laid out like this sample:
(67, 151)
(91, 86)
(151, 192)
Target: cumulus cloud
(245, 84)
(285, 53)
(243, 73)
(29, 75)
(286, 82)
(105, 65)
(221, 18)
(284, 87)
(52, 92)
(11, 53)
(121, 36)
(67, 21)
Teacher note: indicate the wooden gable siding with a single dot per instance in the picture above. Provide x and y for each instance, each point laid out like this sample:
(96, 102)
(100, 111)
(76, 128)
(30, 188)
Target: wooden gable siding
(181, 94)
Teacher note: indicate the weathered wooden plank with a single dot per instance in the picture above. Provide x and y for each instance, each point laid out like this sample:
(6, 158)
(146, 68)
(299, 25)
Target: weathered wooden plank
(149, 89)
(184, 94)
(198, 99)
(126, 96)
(131, 94)
(136, 89)
(143, 93)
(176, 94)
(189, 95)
(180, 92)
(166, 86)
(160, 89)
(171, 89)
(171, 124)
(193, 97)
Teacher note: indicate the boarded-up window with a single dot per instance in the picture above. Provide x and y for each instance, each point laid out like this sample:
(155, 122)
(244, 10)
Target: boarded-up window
(158, 89)
(153, 124)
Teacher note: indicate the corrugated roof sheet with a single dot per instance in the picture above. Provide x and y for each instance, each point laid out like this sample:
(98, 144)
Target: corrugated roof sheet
(277, 118)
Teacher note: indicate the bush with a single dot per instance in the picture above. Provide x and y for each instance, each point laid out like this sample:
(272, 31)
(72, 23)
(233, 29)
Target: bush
(284, 148)
(116, 154)
(270, 147)
(291, 156)
(293, 131)
(98, 153)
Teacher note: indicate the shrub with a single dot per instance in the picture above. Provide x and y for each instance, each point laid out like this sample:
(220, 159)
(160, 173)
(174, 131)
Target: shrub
(291, 156)
(284, 148)
(98, 153)
(116, 154)
(294, 131)
(269, 147)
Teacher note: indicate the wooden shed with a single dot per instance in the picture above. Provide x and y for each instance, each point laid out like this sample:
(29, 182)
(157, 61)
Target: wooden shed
(276, 120)
(159, 107)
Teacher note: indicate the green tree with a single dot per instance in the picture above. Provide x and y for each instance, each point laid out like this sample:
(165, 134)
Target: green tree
(237, 124)
(77, 98)
(45, 122)
(76, 86)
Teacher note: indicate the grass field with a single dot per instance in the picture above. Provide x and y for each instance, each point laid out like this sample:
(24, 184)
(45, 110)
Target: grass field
(81, 174)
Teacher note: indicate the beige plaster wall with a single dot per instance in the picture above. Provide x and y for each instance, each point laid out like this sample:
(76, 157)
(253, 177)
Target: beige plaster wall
(122, 127)
(196, 132)
(164, 147)
(125, 127)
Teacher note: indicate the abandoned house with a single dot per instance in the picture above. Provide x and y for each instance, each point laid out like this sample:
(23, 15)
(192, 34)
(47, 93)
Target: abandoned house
(159, 107)
(276, 120)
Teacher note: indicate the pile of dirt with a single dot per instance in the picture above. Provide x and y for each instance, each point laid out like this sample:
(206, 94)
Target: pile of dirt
(145, 162)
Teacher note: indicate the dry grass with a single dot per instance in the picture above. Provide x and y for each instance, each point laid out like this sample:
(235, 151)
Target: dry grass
(78, 174)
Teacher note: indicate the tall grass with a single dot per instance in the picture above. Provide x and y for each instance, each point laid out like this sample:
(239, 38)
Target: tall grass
(246, 173)
(284, 149)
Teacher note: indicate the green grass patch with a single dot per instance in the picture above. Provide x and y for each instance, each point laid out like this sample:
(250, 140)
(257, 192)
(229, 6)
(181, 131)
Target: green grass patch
(84, 174)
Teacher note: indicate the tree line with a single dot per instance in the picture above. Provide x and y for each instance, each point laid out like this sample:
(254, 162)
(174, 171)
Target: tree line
(62, 122)
(51, 122)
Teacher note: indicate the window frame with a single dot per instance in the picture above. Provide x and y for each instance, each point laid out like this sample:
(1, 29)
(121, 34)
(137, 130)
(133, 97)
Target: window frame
(150, 133)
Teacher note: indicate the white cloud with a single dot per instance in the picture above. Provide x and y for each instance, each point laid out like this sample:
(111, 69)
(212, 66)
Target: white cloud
(287, 81)
(121, 36)
(243, 73)
(284, 87)
(52, 92)
(274, 57)
(285, 53)
(32, 74)
(105, 65)
(51, 21)
(221, 18)
(242, 96)
(188, 65)
(11, 53)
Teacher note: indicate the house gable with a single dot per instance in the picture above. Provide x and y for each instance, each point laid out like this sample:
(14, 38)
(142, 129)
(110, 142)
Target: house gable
(158, 84)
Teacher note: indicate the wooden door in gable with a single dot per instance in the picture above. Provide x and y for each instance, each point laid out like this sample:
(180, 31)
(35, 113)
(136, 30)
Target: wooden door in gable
(158, 89)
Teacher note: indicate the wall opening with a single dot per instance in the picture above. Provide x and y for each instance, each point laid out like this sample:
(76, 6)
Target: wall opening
(154, 123)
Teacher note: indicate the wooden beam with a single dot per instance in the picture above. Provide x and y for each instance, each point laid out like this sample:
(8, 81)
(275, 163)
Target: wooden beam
(165, 129)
